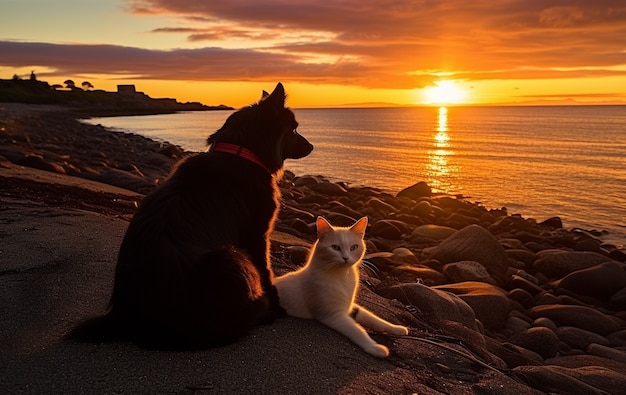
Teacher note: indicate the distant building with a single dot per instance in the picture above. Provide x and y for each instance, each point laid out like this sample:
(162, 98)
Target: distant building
(128, 89)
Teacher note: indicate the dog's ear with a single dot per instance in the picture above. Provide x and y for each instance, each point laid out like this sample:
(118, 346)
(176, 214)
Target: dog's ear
(277, 98)
(264, 95)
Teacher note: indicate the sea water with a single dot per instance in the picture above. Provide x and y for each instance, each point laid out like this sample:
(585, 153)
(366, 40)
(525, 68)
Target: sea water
(538, 161)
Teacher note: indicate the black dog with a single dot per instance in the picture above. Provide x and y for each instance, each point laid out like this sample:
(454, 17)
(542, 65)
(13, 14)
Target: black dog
(193, 269)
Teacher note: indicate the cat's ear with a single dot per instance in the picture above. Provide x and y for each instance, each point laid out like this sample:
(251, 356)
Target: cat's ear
(359, 226)
(323, 226)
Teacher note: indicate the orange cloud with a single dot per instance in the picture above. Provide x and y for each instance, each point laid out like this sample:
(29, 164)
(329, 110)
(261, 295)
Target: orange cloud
(369, 43)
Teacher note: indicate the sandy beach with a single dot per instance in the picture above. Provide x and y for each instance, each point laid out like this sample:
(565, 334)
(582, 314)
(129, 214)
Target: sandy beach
(496, 303)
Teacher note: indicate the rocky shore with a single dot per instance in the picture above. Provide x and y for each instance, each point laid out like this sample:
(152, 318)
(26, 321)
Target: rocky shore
(496, 303)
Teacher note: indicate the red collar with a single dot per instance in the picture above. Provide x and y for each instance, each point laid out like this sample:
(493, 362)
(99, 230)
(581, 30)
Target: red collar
(240, 151)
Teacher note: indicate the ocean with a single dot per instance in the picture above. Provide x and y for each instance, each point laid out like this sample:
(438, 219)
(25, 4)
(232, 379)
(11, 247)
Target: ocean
(537, 161)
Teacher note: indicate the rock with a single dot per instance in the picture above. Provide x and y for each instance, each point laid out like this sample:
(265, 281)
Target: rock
(37, 162)
(559, 380)
(578, 316)
(421, 209)
(528, 257)
(328, 188)
(538, 339)
(600, 281)
(553, 222)
(516, 324)
(517, 281)
(606, 352)
(618, 339)
(545, 322)
(388, 229)
(416, 191)
(467, 271)
(425, 275)
(559, 263)
(579, 338)
(472, 243)
(435, 232)
(489, 302)
(522, 297)
(435, 304)
(619, 299)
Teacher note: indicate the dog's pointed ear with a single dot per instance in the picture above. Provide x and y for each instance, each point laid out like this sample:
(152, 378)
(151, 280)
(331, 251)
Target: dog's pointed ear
(264, 95)
(277, 98)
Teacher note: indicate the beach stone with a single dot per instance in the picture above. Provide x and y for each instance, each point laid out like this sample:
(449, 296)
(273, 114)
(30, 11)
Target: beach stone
(416, 191)
(328, 188)
(425, 275)
(516, 324)
(388, 229)
(433, 303)
(381, 207)
(522, 297)
(305, 181)
(472, 243)
(421, 209)
(619, 299)
(545, 322)
(524, 282)
(579, 338)
(541, 340)
(582, 317)
(490, 304)
(553, 222)
(606, 352)
(592, 380)
(522, 255)
(435, 232)
(599, 281)
(618, 338)
(38, 162)
(466, 271)
(559, 263)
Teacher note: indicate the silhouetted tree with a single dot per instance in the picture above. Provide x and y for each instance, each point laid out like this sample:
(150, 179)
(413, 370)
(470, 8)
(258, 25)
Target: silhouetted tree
(70, 84)
(86, 85)
(16, 77)
(56, 86)
(33, 77)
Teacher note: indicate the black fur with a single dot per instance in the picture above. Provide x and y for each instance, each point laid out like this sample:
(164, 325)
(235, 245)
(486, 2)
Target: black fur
(193, 268)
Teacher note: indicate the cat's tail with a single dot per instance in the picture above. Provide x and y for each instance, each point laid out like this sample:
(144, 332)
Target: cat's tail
(102, 329)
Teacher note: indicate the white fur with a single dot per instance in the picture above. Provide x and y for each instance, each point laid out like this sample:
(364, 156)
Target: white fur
(325, 287)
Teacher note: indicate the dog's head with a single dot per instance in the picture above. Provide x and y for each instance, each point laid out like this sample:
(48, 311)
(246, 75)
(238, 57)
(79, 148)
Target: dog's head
(267, 128)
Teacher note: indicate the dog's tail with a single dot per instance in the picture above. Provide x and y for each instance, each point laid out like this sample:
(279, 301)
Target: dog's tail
(102, 329)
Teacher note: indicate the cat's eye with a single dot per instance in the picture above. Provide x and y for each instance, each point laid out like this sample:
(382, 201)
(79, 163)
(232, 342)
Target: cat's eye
(335, 247)
(354, 247)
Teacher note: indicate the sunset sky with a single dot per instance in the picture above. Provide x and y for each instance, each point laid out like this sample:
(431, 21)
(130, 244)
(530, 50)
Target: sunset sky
(325, 52)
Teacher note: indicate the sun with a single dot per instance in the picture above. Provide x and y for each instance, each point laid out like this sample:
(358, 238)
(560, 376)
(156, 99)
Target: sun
(444, 92)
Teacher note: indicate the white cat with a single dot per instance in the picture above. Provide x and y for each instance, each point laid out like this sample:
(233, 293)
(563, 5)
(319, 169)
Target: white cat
(324, 289)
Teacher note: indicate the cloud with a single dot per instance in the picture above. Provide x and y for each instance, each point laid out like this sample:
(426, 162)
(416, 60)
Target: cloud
(371, 43)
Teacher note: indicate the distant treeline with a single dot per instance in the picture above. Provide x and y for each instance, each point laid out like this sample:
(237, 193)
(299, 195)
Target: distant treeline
(94, 102)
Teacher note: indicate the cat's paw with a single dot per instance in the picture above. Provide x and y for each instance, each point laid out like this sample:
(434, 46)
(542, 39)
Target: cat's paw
(398, 330)
(378, 350)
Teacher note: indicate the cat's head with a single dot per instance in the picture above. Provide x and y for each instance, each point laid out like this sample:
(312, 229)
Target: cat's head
(340, 245)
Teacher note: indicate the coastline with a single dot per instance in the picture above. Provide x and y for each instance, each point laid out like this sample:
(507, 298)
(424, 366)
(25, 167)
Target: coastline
(52, 166)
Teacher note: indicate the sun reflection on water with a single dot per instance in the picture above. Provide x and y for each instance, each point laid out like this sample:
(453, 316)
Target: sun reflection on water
(438, 170)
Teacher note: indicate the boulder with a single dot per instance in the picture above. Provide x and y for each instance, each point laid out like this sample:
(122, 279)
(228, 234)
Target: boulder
(582, 317)
(490, 303)
(467, 271)
(599, 281)
(538, 339)
(559, 263)
(472, 243)
(416, 191)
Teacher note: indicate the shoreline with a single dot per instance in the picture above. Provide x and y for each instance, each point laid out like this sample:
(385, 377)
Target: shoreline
(542, 306)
